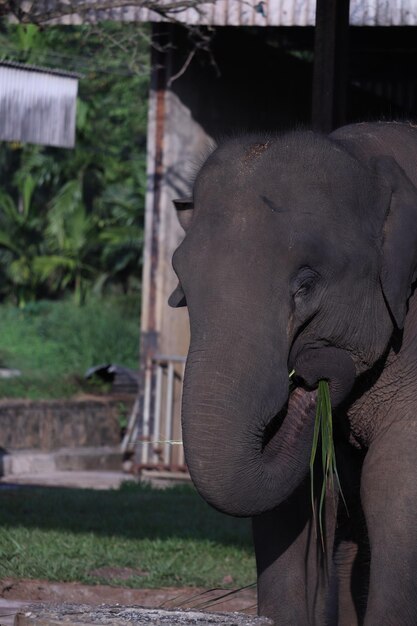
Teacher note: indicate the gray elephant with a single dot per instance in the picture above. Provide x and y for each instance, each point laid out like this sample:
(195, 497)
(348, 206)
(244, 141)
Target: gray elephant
(301, 253)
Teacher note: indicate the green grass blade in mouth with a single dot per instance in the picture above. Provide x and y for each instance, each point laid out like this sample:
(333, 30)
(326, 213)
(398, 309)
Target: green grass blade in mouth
(323, 429)
(317, 424)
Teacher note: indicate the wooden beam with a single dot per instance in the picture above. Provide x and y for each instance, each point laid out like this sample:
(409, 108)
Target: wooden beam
(330, 75)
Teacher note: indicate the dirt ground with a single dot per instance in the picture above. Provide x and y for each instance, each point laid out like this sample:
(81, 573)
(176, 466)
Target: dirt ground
(15, 593)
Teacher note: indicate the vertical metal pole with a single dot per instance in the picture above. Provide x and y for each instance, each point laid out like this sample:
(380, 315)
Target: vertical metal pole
(146, 413)
(129, 437)
(156, 435)
(169, 412)
(330, 75)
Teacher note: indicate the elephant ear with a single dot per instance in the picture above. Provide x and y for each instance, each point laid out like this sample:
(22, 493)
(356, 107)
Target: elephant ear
(177, 298)
(185, 210)
(399, 244)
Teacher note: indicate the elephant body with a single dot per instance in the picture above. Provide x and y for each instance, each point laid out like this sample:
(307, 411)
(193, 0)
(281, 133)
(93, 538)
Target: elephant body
(301, 253)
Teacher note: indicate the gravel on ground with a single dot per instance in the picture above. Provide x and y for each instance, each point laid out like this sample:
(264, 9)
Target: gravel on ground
(17, 593)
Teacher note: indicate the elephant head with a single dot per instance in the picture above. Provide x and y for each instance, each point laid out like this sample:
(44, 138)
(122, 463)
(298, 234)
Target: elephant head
(285, 265)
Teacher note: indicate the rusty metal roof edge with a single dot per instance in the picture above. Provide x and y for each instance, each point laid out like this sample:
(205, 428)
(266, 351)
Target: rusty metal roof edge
(249, 13)
(38, 68)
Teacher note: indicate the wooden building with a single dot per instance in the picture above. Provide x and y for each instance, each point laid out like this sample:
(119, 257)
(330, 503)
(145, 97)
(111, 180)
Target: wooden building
(262, 80)
(256, 73)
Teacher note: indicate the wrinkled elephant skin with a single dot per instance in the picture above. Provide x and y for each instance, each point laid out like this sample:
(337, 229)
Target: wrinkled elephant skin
(300, 252)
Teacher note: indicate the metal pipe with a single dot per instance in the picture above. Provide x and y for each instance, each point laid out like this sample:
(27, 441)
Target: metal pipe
(168, 415)
(156, 435)
(146, 413)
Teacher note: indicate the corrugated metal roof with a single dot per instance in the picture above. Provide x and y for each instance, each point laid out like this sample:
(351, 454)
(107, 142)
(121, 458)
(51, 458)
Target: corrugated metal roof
(245, 12)
(37, 107)
(39, 68)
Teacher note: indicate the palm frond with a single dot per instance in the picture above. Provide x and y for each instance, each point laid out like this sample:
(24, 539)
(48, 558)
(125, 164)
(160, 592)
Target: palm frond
(7, 243)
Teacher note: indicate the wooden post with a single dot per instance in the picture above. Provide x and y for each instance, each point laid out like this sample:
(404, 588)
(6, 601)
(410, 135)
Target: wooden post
(330, 65)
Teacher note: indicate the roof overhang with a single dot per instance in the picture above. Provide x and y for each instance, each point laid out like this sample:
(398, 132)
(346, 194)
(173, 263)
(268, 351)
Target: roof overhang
(218, 12)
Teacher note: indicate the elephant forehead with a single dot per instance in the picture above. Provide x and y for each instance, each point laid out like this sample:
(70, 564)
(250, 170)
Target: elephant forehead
(296, 173)
(282, 216)
(282, 192)
(236, 240)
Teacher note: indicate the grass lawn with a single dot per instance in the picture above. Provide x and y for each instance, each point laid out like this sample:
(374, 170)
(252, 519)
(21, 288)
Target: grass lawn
(53, 344)
(165, 538)
(172, 535)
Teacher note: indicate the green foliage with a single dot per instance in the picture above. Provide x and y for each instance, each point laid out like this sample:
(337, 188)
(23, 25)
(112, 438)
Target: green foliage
(54, 343)
(20, 241)
(172, 535)
(72, 220)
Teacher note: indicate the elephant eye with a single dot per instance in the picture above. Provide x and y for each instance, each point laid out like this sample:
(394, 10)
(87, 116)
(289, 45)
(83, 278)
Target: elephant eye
(304, 283)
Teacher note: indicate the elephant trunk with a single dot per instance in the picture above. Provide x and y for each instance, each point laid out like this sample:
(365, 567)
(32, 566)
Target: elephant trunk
(246, 444)
(247, 440)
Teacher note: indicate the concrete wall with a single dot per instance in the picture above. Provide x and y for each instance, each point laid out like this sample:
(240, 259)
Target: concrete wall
(53, 424)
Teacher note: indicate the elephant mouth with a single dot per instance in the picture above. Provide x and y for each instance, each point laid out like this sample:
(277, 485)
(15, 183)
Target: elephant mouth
(295, 420)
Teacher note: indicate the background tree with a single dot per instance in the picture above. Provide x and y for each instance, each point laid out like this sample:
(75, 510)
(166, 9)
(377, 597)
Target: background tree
(72, 220)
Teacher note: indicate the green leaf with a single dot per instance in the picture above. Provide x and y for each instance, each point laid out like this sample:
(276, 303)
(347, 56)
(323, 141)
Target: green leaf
(81, 114)
(28, 187)
(28, 37)
(6, 242)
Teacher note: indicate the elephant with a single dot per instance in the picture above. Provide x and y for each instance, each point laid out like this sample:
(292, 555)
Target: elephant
(300, 253)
